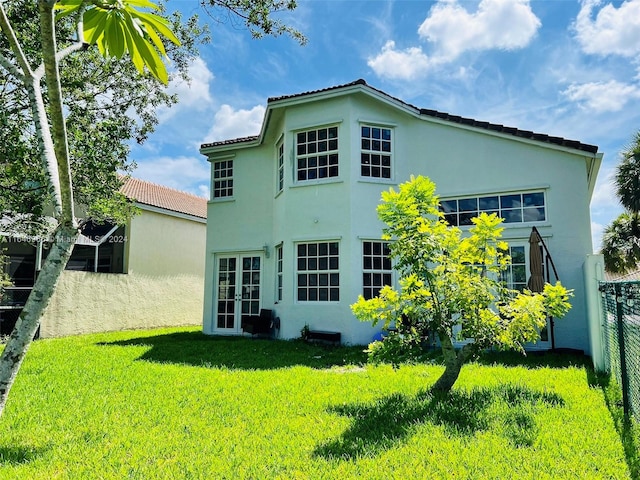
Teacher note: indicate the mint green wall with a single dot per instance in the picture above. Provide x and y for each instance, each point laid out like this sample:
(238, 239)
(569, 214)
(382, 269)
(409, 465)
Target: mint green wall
(462, 161)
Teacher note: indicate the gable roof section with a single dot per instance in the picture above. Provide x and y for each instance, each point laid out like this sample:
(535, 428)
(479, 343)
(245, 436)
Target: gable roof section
(361, 85)
(154, 195)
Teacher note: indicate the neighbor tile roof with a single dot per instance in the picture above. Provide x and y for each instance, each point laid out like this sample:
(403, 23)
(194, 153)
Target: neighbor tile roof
(155, 195)
(540, 137)
(633, 276)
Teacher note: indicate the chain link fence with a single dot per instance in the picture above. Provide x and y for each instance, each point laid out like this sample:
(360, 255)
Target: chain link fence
(621, 336)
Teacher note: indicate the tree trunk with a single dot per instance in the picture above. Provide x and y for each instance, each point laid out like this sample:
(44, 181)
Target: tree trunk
(453, 362)
(29, 320)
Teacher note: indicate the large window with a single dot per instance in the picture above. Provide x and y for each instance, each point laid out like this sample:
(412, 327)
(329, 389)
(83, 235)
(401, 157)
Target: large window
(376, 268)
(280, 153)
(375, 157)
(223, 179)
(318, 272)
(514, 208)
(317, 154)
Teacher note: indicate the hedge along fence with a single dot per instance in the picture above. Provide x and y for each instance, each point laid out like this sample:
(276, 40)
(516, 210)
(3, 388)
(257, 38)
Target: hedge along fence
(621, 339)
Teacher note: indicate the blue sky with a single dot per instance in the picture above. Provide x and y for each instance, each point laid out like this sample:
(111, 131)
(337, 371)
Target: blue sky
(568, 68)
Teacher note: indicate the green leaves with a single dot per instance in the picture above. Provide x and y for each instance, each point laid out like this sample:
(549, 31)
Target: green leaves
(450, 281)
(118, 27)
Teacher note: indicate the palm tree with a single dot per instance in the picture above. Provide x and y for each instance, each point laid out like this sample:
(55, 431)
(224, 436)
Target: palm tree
(621, 243)
(621, 239)
(627, 178)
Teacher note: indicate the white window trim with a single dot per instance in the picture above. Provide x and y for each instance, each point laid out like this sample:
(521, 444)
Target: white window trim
(279, 262)
(363, 270)
(296, 272)
(315, 181)
(368, 178)
(213, 180)
(505, 224)
(280, 165)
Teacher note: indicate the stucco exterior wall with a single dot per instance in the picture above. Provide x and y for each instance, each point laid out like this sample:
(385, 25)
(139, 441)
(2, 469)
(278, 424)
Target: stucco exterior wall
(462, 161)
(163, 286)
(87, 302)
(161, 244)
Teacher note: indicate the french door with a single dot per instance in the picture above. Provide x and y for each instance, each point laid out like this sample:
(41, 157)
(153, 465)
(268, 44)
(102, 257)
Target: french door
(238, 290)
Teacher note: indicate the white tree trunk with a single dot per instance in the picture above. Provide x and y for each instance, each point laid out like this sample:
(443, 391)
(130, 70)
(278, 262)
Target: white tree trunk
(54, 145)
(29, 320)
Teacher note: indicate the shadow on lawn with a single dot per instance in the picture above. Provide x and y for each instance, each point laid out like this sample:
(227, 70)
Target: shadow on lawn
(17, 455)
(536, 359)
(627, 428)
(195, 348)
(507, 409)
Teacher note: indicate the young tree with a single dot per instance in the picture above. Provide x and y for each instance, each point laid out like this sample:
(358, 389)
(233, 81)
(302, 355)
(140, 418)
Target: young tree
(621, 239)
(450, 281)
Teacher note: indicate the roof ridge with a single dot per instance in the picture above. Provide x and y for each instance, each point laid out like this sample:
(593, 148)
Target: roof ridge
(485, 125)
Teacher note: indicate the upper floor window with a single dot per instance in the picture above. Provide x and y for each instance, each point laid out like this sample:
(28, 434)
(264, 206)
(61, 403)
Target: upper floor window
(318, 272)
(513, 207)
(280, 153)
(376, 268)
(317, 154)
(223, 178)
(375, 157)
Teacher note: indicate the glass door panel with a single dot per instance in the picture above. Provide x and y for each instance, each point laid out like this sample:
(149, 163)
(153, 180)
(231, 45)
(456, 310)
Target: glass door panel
(226, 310)
(238, 288)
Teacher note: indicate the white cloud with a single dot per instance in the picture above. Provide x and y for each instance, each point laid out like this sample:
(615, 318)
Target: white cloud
(497, 24)
(183, 173)
(399, 64)
(614, 30)
(204, 191)
(229, 123)
(596, 236)
(604, 196)
(192, 95)
(604, 204)
(611, 96)
(501, 24)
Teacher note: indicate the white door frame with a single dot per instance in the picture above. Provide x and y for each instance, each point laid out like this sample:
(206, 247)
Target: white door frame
(243, 272)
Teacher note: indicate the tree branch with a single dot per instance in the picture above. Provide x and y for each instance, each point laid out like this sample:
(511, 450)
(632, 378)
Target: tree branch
(11, 68)
(58, 126)
(5, 25)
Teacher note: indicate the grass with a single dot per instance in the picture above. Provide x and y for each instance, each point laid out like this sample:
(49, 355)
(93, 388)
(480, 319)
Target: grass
(176, 404)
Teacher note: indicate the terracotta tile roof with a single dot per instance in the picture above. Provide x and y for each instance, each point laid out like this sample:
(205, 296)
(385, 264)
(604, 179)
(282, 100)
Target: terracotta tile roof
(633, 276)
(155, 195)
(539, 137)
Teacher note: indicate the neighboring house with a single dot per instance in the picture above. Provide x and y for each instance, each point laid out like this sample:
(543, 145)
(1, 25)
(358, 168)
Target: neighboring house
(148, 273)
(292, 216)
(632, 276)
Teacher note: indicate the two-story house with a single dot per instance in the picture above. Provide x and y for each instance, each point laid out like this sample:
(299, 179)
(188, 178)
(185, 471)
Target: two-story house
(292, 223)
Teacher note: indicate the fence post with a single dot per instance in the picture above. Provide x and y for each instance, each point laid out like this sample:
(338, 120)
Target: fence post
(623, 355)
(593, 269)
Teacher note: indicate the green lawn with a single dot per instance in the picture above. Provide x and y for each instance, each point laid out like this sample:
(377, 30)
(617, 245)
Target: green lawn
(177, 404)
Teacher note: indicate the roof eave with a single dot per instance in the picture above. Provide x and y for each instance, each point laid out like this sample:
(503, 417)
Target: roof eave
(275, 103)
